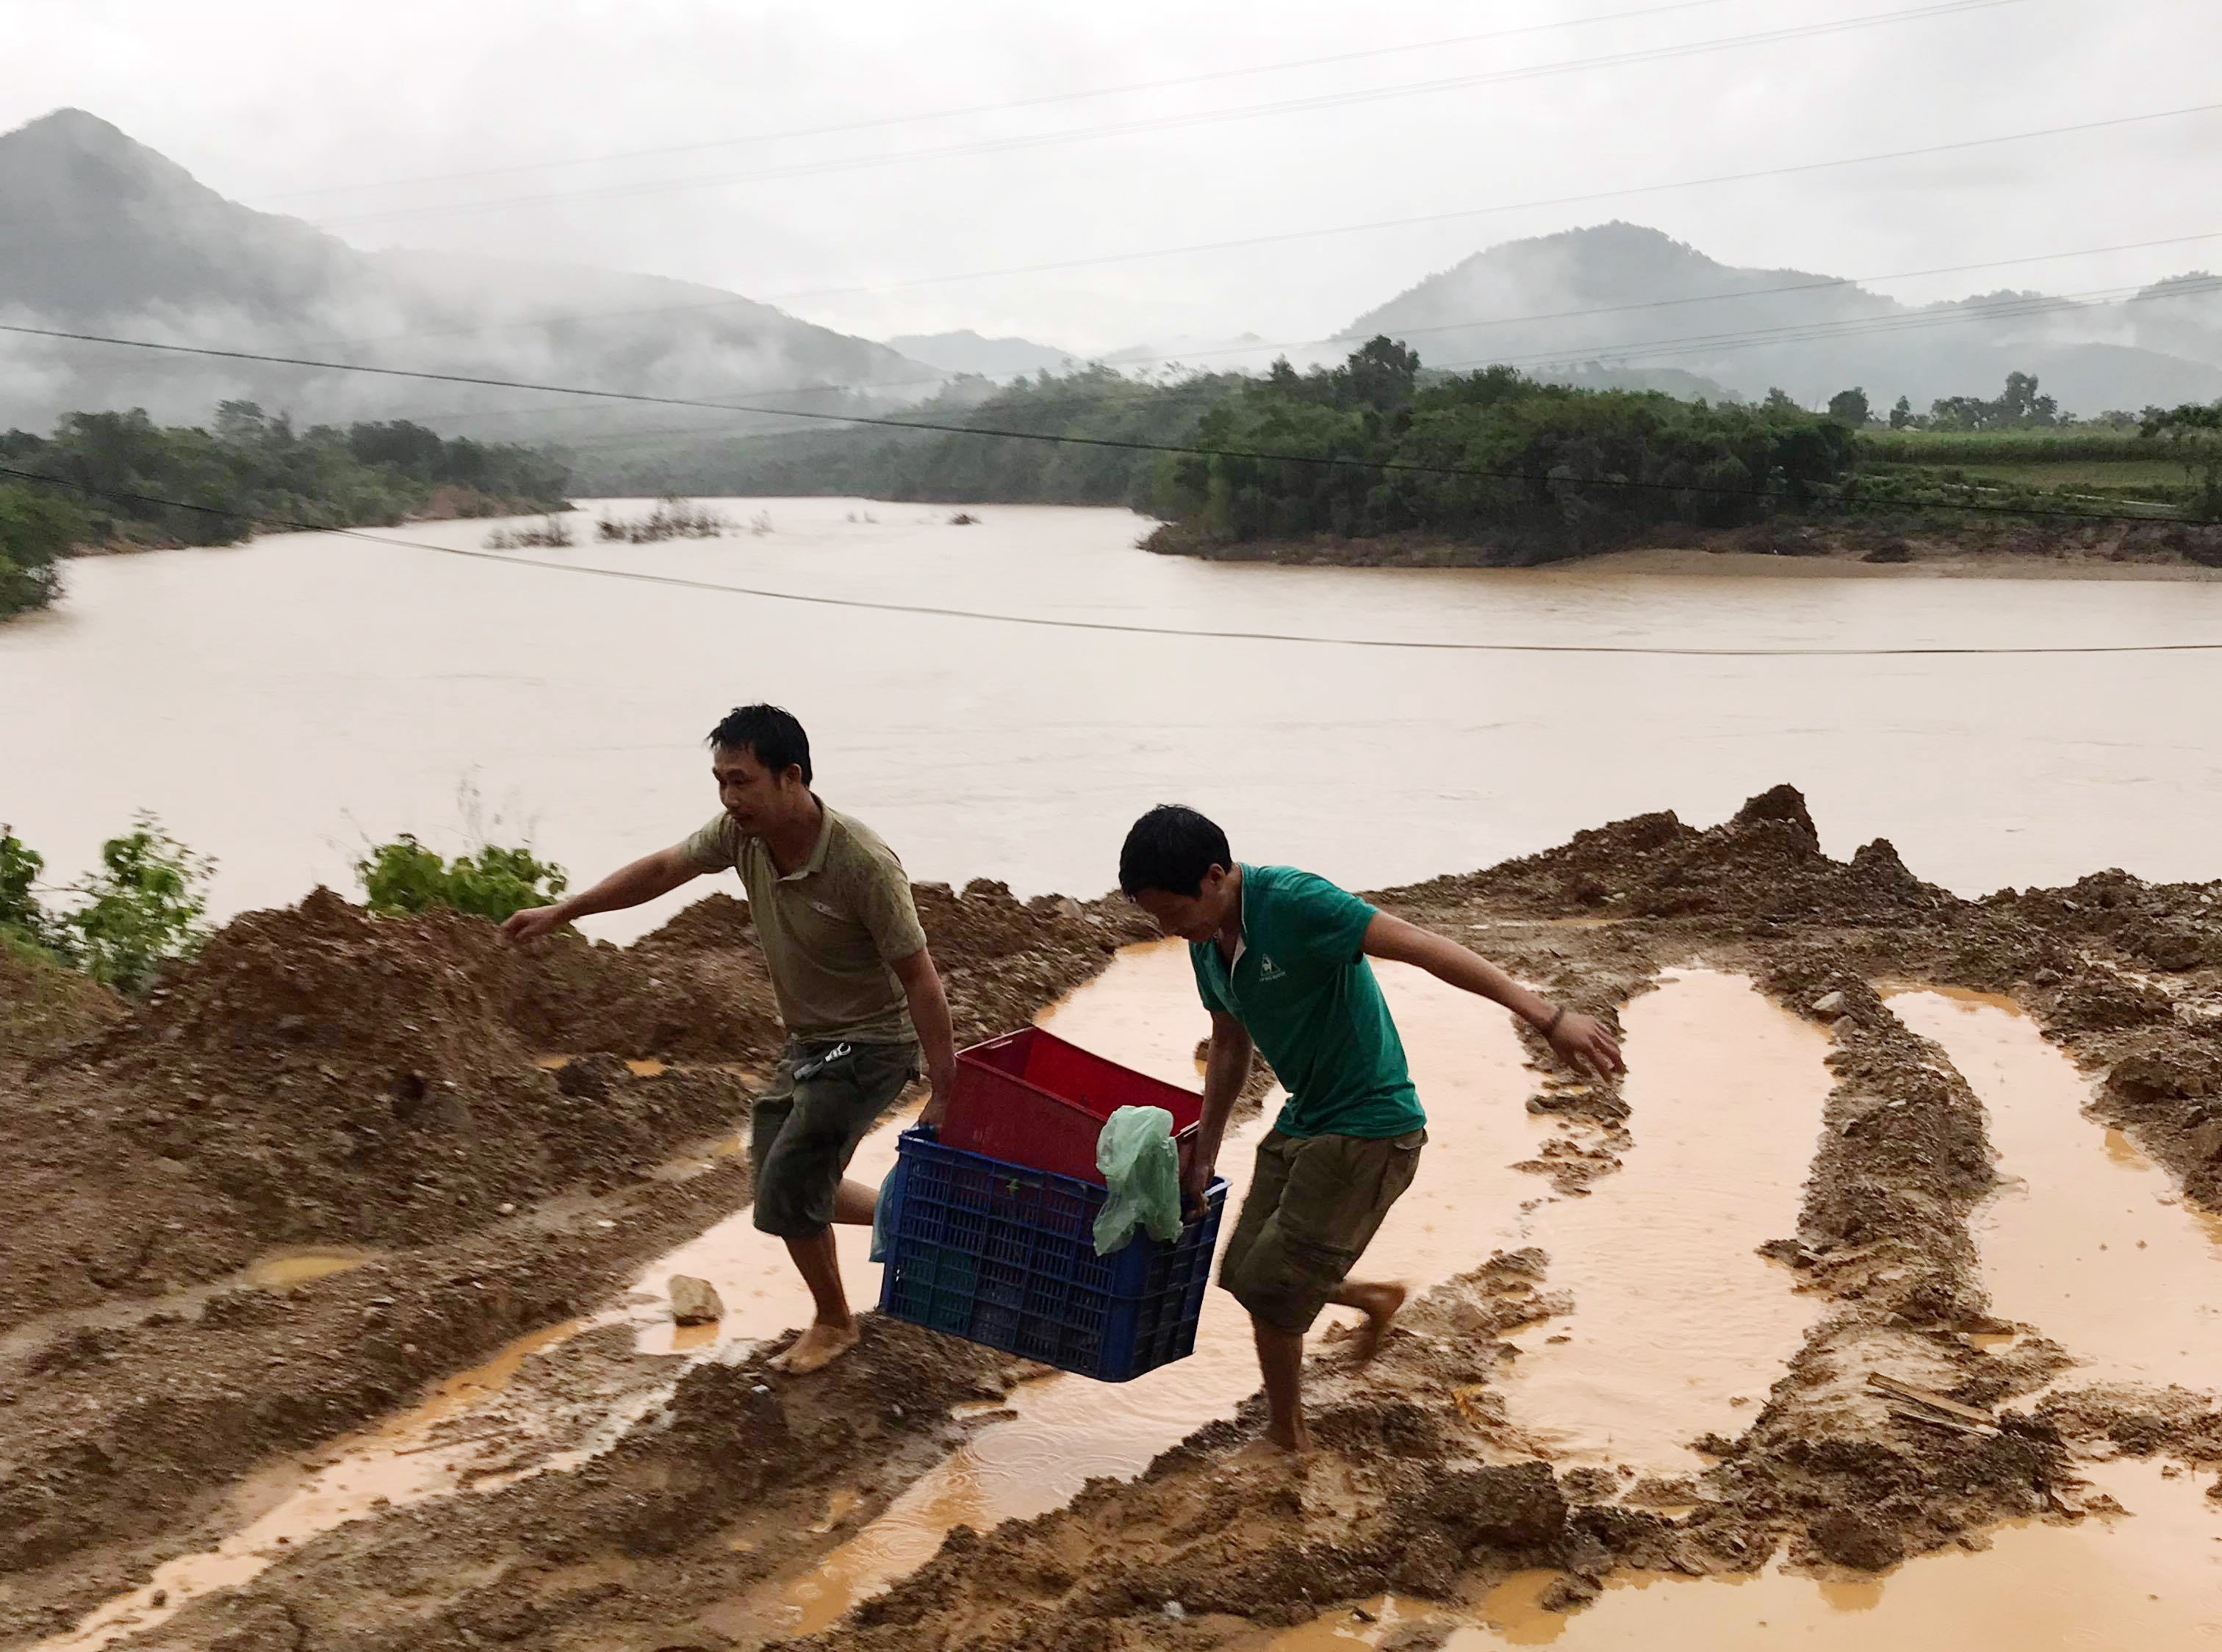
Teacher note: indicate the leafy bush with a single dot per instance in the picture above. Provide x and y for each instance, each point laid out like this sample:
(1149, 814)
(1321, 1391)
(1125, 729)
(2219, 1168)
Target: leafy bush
(37, 528)
(142, 910)
(405, 877)
(21, 917)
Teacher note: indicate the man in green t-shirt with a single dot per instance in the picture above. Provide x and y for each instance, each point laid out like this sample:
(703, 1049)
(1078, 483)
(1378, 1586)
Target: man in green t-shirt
(1280, 959)
(850, 969)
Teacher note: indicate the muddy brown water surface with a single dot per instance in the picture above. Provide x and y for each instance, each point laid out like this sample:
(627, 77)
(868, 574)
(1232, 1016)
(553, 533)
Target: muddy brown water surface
(1679, 1326)
(2088, 1239)
(994, 750)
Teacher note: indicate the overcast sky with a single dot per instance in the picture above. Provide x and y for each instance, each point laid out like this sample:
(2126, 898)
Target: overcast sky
(293, 107)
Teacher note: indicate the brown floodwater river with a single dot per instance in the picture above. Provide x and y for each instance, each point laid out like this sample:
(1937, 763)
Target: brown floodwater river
(283, 703)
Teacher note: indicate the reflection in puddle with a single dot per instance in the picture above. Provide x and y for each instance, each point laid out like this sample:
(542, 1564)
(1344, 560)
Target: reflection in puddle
(1676, 1317)
(1064, 1430)
(298, 1267)
(2151, 1582)
(1370, 1623)
(2087, 1241)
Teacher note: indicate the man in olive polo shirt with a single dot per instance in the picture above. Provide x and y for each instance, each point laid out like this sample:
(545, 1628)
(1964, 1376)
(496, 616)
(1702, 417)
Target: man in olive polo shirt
(856, 987)
(1281, 964)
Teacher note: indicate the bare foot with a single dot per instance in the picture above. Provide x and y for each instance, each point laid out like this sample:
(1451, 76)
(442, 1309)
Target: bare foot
(1277, 1444)
(816, 1349)
(1379, 1303)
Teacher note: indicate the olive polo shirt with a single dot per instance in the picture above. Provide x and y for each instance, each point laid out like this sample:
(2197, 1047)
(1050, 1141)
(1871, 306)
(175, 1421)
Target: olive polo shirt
(830, 928)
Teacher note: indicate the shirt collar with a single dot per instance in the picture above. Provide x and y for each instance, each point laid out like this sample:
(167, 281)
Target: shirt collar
(816, 863)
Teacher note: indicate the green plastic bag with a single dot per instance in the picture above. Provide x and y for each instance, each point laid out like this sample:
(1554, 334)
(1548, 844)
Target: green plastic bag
(1141, 1172)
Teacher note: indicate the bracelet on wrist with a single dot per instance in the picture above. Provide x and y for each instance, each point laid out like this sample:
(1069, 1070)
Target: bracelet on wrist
(1551, 1025)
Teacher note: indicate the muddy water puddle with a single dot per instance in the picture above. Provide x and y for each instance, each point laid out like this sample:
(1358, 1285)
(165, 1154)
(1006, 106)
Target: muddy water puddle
(2088, 1241)
(278, 1271)
(1679, 1327)
(420, 1452)
(1061, 1431)
(2150, 1580)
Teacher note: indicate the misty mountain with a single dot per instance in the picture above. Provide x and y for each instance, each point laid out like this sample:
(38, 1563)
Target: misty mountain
(1596, 305)
(1000, 359)
(101, 234)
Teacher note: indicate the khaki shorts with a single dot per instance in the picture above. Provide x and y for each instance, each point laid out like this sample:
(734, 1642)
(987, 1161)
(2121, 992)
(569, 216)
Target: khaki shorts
(1315, 1204)
(805, 1125)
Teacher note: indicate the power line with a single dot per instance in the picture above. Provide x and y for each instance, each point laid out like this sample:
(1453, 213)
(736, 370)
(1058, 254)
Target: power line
(1126, 628)
(1325, 100)
(885, 121)
(1822, 331)
(1285, 236)
(941, 427)
(1408, 333)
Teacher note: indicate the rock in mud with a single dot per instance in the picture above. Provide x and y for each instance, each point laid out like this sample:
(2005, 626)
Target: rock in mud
(694, 1302)
(1850, 1538)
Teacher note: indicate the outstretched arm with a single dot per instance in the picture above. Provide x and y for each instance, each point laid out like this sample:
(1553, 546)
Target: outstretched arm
(629, 886)
(936, 1036)
(1576, 1039)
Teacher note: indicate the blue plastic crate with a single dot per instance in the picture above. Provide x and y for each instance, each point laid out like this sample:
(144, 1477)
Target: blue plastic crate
(1004, 1255)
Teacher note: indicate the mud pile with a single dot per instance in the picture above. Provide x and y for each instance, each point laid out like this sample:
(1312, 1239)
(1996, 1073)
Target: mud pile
(43, 1006)
(1001, 959)
(1764, 865)
(318, 1076)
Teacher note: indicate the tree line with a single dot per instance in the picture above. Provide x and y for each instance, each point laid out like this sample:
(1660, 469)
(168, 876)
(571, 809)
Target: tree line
(247, 467)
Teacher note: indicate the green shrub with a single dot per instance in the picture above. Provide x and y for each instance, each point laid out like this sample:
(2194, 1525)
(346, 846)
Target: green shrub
(405, 877)
(141, 911)
(22, 918)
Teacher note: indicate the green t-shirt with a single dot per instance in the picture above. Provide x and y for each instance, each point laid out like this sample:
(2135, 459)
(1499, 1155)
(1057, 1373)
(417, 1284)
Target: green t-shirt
(1301, 985)
(830, 928)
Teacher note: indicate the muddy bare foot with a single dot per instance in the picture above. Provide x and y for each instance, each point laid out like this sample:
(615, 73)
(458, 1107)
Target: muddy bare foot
(1276, 1446)
(816, 1349)
(1379, 1303)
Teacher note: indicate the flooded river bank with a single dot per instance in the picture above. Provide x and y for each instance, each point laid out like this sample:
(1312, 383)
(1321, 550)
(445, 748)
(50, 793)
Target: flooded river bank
(290, 700)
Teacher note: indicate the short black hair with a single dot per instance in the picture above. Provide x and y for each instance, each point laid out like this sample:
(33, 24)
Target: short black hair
(1171, 848)
(771, 733)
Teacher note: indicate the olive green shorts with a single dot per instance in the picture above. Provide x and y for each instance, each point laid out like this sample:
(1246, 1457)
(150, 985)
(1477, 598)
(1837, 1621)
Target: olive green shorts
(807, 1123)
(1315, 1204)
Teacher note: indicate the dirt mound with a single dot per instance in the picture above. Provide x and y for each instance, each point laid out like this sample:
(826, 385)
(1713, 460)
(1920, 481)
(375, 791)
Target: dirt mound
(2169, 927)
(1765, 864)
(711, 924)
(44, 1007)
(321, 1076)
(1001, 959)
(1904, 1160)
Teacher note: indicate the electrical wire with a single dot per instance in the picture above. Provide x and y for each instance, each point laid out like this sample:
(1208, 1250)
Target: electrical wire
(1285, 236)
(881, 122)
(1124, 627)
(1172, 123)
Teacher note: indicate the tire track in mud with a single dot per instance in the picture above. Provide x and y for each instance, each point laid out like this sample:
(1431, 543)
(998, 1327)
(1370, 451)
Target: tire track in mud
(1678, 1321)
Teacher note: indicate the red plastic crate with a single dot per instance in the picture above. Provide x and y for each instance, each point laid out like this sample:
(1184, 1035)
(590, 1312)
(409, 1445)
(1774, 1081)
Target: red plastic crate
(1030, 1098)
